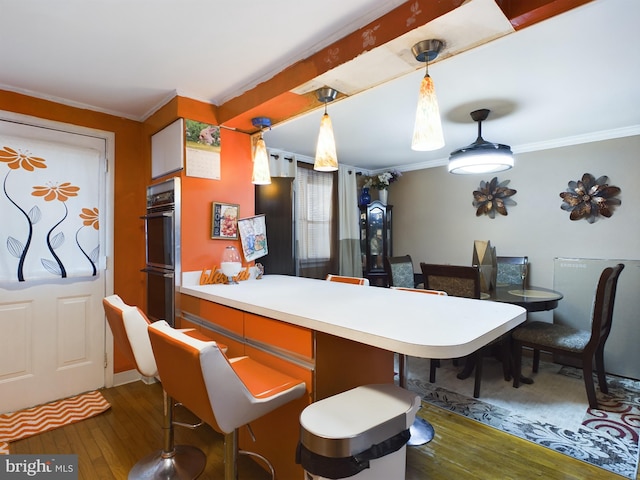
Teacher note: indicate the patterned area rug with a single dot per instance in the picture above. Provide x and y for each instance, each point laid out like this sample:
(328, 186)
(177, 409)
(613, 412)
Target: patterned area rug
(25, 423)
(553, 412)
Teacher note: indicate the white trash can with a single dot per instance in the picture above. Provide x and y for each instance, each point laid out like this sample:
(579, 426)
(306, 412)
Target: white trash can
(359, 434)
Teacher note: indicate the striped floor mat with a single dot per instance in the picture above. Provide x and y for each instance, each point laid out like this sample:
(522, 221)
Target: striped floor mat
(25, 423)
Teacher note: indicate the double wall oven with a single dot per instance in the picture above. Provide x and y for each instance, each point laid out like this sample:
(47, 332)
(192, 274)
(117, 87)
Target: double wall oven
(162, 234)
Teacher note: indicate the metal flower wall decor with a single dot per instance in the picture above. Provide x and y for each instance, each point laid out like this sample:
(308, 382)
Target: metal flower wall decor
(493, 197)
(588, 198)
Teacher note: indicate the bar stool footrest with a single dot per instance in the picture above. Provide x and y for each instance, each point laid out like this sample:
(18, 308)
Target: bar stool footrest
(264, 460)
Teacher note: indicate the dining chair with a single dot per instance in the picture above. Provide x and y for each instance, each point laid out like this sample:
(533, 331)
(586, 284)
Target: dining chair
(582, 344)
(463, 281)
(173, 462)
(512, 271)
(399, 271)
(226, 393)
(344, 279)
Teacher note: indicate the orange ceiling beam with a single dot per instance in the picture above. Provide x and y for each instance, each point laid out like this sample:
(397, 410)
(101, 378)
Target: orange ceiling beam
(524, 14)
(273, 98)
(399, 21)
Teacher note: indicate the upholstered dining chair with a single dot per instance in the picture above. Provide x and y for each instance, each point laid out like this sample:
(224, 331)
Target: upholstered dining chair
(399, 271)
(584, 345)
(225, 393)
(344, 279)
(129, 327)
(463, 281)
(512, 270)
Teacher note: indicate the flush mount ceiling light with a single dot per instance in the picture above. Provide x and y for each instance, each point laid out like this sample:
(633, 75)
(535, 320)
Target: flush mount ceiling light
(481, 156)
(261, 174)
(326, 157)
(427, 130)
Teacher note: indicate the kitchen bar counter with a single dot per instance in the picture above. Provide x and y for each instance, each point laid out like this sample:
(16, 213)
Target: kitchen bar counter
(334, 336)
(428, 326)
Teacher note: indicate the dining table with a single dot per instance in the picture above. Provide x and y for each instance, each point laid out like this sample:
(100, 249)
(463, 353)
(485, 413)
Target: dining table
(531, 298)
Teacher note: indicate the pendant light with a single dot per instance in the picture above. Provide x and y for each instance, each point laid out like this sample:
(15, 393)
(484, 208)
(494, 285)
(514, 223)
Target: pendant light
(481, 156)
(427, 130)
(326, 157)
(261, 174)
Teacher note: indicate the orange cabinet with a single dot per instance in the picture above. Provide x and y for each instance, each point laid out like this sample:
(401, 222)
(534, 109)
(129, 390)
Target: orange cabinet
(218, 322)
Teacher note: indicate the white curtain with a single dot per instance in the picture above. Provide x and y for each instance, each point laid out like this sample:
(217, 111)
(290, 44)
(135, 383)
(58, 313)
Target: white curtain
(349, 223)
(314, 218)
(49, 202)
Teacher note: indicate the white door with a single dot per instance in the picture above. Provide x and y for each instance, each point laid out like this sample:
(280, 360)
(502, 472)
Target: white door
(54, 239)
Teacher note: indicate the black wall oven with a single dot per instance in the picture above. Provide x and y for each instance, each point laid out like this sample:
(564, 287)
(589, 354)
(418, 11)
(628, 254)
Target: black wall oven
(162, 227)
(160, 238)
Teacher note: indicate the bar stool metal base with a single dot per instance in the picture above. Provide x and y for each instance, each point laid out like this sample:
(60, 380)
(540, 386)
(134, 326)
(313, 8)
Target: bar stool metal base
(421, 432)
(184, 463)
(231, 453)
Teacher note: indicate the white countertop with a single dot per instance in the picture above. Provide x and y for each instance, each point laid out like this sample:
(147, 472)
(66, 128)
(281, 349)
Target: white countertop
(416, 324)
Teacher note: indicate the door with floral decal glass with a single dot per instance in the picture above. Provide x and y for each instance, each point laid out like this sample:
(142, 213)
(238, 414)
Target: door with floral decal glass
(52, 250)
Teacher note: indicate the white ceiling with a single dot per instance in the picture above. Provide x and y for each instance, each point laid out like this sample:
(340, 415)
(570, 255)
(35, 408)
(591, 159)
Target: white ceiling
(129, 57)
(569, 79)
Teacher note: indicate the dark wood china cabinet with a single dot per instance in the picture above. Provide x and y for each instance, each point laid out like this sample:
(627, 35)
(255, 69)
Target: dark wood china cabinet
(375, 241)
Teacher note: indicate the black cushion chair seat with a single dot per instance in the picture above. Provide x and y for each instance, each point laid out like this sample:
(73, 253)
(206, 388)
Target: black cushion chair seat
(554, 336)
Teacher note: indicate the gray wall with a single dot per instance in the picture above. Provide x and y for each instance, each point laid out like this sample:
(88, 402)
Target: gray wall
(434, 220)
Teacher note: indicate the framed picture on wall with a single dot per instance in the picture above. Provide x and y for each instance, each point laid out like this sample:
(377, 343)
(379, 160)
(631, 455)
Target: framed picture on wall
(224, 220)
(253, 234)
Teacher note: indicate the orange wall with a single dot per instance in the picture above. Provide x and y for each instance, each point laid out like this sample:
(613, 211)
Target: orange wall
(199, 250)
(132, 173)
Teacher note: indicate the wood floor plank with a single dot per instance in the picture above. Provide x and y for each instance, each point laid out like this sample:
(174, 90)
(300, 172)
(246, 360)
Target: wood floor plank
(78, 446)
(83, 430)
(109, 444)
(464, 448)
(119, 455)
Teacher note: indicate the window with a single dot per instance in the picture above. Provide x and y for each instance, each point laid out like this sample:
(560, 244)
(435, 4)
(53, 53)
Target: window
(316, 222)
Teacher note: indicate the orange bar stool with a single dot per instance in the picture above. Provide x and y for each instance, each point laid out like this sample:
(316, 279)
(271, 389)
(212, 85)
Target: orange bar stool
(225, 393)
(174, 462)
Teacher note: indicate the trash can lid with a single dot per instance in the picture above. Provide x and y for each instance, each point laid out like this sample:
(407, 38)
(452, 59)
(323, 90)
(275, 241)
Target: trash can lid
(350, 422)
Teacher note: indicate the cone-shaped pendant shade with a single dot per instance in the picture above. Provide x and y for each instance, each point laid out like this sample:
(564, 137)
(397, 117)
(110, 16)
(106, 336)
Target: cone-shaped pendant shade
(261, 174)
(326, 157)
(427, 131)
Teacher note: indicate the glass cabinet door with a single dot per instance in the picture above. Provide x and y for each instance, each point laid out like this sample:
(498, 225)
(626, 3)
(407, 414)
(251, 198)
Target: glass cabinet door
(376, 237)
(375, 240)
(363, 239)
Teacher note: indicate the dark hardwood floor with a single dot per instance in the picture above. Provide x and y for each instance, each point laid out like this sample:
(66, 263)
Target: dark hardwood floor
(110, 443)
